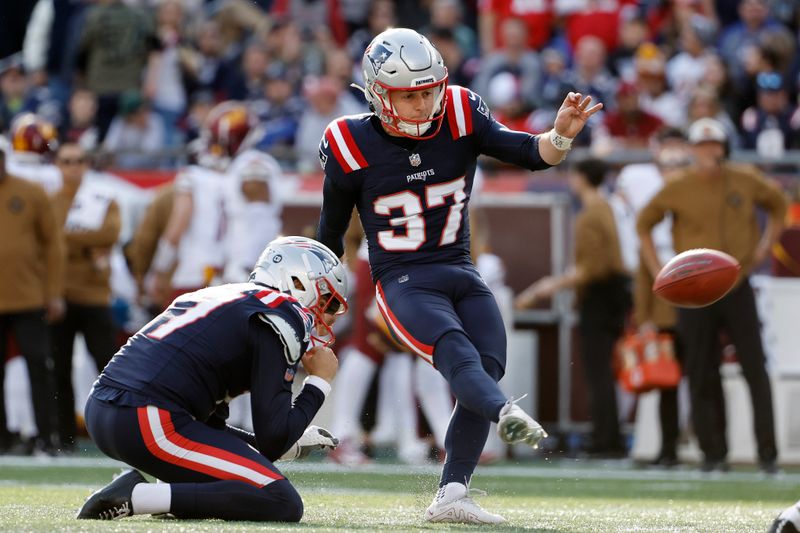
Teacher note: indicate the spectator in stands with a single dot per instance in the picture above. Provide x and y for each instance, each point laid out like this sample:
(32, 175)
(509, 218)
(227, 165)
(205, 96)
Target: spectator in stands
(169, 96)
(537, 16)
(381, 16)
(91, 222)
(279, 110)
(716, 78)
(327, 100)
(206, 68)
(704, 103)
(773, 124)
(685, 69)
(51, 42)
(636, 185)
(633, 34)
(588, 74)
(247, 82)
(514, 57)
(13, 88)
(627, 126)
(31, 294)
(655, 96)
(449, 15)
(80, 126)
(600, 19)
(136, 136)
(604, 300)
(743, 35)
(713, 205)
(461, 70)
(118, 45)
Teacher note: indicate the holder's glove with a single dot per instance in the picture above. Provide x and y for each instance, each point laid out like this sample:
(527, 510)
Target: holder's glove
(313, 438)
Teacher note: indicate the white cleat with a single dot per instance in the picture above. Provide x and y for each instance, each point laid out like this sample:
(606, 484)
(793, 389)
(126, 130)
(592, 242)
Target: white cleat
(515, 425)
(453, 504)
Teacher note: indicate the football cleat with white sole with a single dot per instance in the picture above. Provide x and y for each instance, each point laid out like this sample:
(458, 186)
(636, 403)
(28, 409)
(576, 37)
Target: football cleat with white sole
(114, 500)
(515, 426)
(453, 504)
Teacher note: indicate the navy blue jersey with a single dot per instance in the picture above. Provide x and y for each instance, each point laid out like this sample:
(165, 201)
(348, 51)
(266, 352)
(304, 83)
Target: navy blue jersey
(212, 345)
(412, 196)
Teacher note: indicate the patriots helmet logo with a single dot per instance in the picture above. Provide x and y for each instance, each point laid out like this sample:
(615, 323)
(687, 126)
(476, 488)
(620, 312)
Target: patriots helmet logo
(378, 55)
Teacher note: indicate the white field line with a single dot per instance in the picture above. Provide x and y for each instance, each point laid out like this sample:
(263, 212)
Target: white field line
(568, 471)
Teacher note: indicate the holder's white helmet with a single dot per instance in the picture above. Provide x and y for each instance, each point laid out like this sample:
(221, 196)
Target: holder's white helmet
(400, 59)
(309, 271)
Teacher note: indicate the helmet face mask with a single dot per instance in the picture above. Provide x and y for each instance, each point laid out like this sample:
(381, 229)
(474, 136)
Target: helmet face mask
(402, 60)
(311, 273)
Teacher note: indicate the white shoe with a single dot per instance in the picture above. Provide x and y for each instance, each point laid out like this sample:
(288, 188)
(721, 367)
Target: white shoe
(453, 504)
(515, 425)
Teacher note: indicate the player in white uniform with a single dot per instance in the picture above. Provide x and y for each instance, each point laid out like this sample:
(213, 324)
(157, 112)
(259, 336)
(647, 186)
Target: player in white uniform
(253, 206)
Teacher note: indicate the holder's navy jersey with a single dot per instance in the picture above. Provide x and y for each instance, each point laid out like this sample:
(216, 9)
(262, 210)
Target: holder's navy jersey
(412, 196)
(209, 346)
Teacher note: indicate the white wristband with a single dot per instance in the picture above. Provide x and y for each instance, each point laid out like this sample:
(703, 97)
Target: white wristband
(319, 383)
(559, 141)
(166, 256)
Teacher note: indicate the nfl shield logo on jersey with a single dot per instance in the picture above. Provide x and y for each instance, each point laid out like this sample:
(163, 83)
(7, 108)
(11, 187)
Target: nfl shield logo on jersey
(415, 160)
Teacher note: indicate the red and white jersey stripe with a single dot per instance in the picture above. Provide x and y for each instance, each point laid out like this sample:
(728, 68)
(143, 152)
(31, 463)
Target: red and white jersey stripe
(459, 113)
(343, 146)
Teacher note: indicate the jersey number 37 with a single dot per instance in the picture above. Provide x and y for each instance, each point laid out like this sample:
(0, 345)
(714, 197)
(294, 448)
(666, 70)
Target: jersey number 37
(412, 220)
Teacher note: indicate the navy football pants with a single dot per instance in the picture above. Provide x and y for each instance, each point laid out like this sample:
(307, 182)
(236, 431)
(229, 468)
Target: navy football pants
(448, 316)
(212, 473)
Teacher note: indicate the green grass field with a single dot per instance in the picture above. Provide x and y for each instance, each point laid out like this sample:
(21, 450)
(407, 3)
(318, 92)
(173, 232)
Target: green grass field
(43, 495)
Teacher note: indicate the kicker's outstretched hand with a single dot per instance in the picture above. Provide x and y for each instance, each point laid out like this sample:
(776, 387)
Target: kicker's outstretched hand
(573, 114)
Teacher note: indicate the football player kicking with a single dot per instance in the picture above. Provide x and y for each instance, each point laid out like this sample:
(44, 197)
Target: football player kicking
(408, 167)
(160, 404)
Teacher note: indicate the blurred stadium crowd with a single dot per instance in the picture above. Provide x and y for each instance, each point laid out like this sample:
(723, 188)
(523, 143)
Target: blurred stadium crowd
(149, 85)
(136, 78)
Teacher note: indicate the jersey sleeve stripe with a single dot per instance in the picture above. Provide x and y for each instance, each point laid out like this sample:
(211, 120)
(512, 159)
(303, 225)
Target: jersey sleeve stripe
(423, 350)
(451, 112)
(338, 136)
(467, 111)
(351, 144)
(460, 118)
(335, 149)
(165, 443)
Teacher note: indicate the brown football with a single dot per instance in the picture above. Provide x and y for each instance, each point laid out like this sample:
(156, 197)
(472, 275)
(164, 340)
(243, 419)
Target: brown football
(696, 278)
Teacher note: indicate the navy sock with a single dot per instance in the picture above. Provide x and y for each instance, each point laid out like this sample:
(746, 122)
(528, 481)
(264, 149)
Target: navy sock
(473, 380)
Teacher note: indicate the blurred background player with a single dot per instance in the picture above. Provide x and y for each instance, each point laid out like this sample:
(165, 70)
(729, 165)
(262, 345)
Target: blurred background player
(91, 223)
(636, 185)
(31, 295)
(603, 292)
(33, 143)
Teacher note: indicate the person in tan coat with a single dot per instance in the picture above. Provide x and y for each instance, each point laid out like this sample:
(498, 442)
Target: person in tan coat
(91, 222)
(713, 205)
(603, 290)
(32, 273)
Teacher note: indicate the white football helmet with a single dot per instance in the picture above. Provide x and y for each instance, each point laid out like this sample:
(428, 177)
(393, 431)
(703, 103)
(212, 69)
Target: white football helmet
(310, 272)
(400, 59)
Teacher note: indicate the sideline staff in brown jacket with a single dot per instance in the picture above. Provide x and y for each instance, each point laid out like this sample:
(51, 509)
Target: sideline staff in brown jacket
(713, 205)
(31, 277)
(604, 299)
(91, 222)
